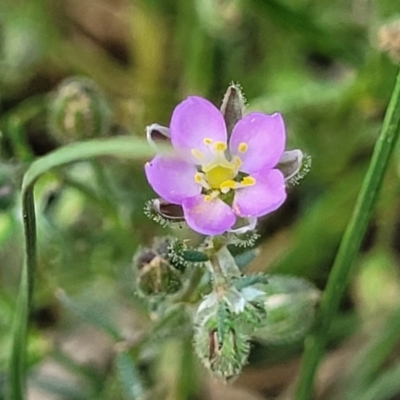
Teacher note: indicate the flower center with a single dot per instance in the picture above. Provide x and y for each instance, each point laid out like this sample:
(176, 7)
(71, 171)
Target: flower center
(218, 175)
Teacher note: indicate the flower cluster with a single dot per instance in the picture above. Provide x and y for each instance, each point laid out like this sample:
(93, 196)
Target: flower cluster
(219, 177)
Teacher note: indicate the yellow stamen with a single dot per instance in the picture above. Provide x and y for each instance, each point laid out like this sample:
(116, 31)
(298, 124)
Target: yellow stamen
(211, 196)
(243, 147)
(207, 141)
(198, 177)
(248, 181)
(220, 146)
(229, 184)
(237, 162)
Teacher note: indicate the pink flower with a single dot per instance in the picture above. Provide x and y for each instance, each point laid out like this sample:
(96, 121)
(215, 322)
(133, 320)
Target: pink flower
(216, 182)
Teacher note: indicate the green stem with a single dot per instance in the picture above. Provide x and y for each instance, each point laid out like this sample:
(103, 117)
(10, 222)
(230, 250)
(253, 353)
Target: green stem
(349, 247)
(20, 328)
(219, 279)
(131, 148)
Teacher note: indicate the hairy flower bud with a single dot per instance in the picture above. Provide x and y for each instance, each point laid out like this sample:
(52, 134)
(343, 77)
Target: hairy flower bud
(224, 322)
(289, 303)
(389, 39)
(78, 110)
(233, 106)
(156, 273)
(222, 351)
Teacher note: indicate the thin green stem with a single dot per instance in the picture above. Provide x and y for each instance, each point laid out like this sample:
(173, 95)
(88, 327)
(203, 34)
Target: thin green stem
(20, 328)
(219, 279)
(131, 148)
(193, 285)
(349, 247)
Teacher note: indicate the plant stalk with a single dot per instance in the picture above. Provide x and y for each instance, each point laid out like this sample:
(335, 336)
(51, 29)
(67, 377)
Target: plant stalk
(350, 245)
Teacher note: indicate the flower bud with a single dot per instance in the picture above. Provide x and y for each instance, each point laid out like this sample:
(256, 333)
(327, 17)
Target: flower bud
(222, 351)
(78, 110)
(233, 106)
(224, 322)
(389, 39)
(219, 18)
(156, 274)
(289, 303)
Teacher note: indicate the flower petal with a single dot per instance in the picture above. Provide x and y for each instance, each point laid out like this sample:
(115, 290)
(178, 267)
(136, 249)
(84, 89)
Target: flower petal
(212, 217)
(265, 138)
(172, 178)
(265, 196)
(192, 121)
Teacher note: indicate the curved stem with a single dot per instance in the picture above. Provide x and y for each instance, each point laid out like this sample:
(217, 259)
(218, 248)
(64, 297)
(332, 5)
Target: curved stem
(20, 328)
(350, 244)
(131, 148)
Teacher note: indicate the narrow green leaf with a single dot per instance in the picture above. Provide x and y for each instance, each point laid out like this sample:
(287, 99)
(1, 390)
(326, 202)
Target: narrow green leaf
(129, 377)
(387, 386)
(125, 147)
(194, 256)
(350, 245)
(18, 349)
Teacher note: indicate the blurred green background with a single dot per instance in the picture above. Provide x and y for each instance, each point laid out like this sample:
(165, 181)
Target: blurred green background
(315, 61)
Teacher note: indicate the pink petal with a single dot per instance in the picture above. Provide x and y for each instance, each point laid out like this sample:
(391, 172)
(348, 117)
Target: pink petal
(172, 178)
(265, 196)
(265, 138)
(192, 121)
(212, 217)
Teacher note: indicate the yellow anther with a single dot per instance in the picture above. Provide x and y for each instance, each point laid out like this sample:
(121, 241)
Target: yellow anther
(198, 177)
(211, 196)
(243, 147)
(229, 184)
(197, 154)
(248, 181)
(220, 146)
(207, 141)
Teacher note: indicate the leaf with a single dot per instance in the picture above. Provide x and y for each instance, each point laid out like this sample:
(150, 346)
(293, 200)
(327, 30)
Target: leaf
(124, 147)
(250, 280)
(129, 377)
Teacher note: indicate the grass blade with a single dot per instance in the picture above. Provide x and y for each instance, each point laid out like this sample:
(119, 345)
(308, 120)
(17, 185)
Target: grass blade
(123, 147)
